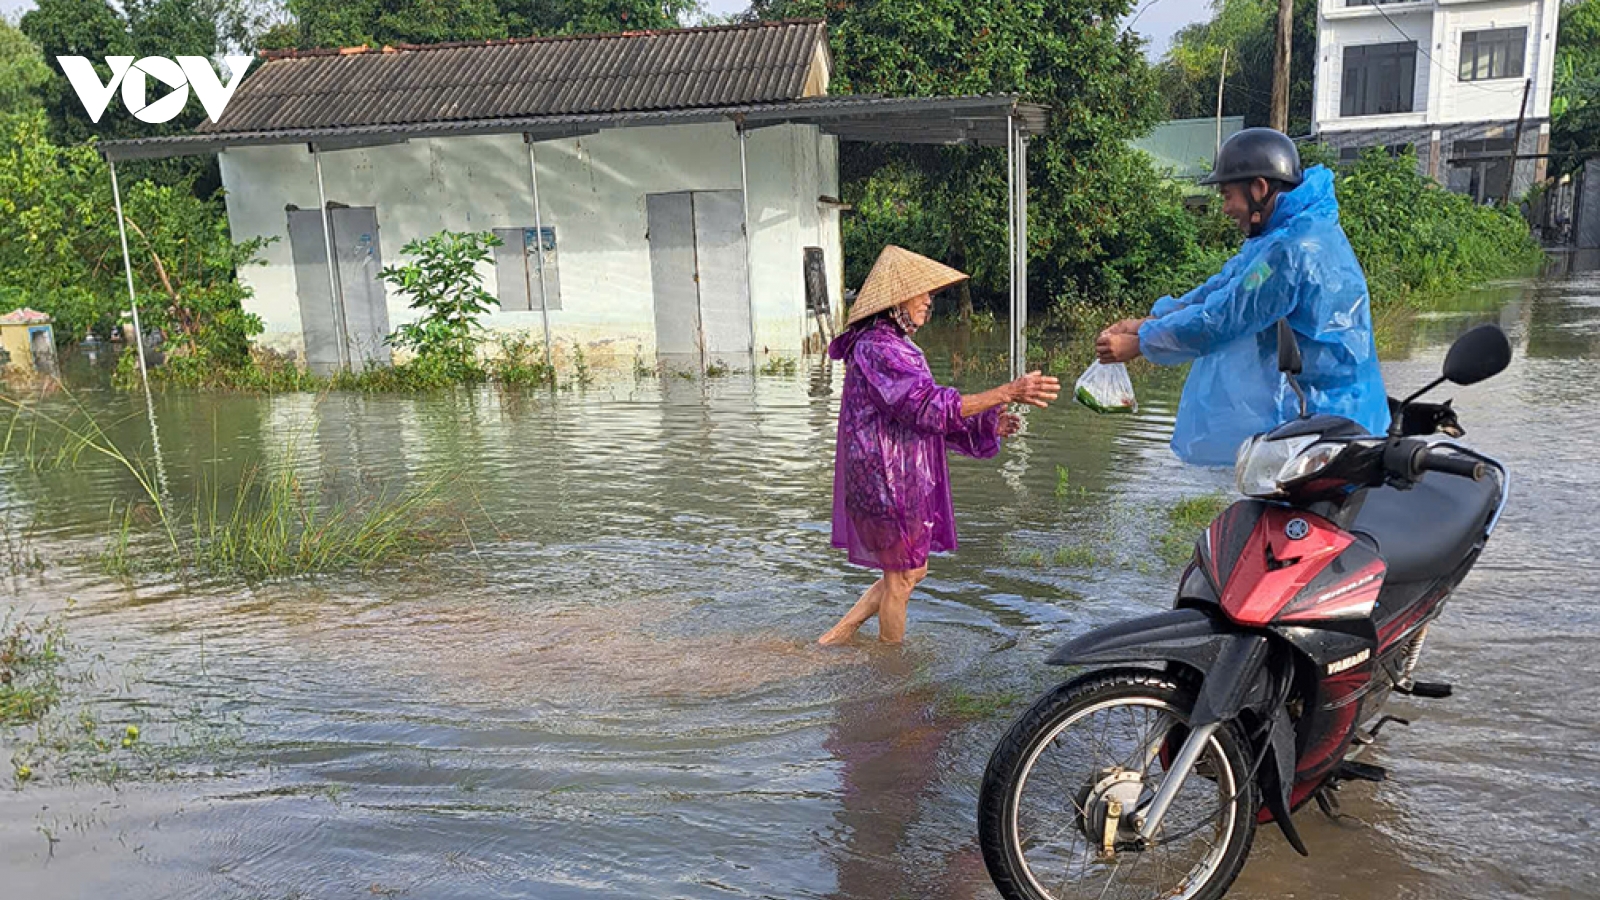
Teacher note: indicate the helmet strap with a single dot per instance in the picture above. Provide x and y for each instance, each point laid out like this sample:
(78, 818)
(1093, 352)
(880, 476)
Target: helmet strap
(1258, 209)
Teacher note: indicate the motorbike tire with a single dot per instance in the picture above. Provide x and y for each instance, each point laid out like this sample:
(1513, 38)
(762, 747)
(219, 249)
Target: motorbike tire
(998, 798)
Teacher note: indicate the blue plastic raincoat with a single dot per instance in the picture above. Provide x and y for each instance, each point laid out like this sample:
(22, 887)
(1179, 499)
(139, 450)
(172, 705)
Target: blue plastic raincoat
(1300, 267)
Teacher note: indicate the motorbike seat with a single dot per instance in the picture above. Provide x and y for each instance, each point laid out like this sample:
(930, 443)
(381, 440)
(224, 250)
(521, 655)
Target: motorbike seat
(1426, 532)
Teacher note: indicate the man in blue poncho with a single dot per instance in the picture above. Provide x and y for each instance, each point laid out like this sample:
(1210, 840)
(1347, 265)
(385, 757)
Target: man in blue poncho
(1296, 263)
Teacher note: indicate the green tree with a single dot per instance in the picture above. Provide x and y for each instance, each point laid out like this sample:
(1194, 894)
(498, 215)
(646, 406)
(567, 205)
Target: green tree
(1575, 106)
(60, 250)
(351, 23)
(23, 72)
(1247, 29)
(1102, 225)
(94, 29)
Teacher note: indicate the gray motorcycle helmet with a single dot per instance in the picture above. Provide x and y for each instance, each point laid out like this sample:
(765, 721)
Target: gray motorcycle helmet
(1257, 153)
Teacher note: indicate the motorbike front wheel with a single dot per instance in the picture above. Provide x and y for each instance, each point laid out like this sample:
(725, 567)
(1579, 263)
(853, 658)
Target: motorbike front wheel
(1064, 790)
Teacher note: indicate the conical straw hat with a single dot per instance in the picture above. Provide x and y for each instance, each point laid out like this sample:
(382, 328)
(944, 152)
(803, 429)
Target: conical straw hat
(896, 277)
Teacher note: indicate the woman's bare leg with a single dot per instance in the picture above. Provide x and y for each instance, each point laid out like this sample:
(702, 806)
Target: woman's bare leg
(865, 608)
(897, 587)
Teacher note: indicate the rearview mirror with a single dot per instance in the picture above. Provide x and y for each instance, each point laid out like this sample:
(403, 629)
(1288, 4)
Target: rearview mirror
(1478, 355)
(1289, 361)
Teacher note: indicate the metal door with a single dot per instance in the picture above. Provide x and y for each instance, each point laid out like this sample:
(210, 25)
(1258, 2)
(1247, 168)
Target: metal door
(310, 256)
(670, 219)
(365, 306)
(697, 268)
(720, 259)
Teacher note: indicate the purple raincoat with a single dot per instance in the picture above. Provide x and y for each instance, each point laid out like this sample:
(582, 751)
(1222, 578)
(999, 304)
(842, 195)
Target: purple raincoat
(891, 483)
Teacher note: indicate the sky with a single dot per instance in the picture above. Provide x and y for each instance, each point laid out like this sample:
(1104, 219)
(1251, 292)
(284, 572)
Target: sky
(1158, 22)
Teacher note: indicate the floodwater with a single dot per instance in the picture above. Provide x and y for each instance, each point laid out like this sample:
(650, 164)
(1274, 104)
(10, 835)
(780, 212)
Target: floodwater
(611, 690)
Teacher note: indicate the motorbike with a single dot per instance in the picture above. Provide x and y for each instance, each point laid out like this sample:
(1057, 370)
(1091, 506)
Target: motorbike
(1303, 610)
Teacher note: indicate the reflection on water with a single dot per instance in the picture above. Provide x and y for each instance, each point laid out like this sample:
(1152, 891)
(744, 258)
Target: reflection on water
(612, 690)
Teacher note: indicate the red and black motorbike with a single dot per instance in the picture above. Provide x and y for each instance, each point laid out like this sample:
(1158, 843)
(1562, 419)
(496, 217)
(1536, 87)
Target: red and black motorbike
(1303, 609)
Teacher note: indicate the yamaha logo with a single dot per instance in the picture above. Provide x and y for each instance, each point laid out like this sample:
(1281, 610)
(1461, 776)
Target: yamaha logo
(1349, 662)
(1297, 529)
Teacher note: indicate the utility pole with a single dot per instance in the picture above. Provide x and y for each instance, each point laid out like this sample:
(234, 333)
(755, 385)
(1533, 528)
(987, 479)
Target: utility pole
(1222, 76)
(1516, 144)
(1279, 117)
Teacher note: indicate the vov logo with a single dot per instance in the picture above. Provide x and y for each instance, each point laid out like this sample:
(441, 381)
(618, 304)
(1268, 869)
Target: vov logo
(133, 77)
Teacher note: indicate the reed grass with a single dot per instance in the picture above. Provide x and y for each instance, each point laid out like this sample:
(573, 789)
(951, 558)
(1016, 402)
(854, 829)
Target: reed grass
(269, 524)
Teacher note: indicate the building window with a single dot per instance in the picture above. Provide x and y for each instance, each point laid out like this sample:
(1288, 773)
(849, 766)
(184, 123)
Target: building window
(1493, 54)
(1379, 79)
(1481, 168)
(517, 264)
(1353, 154)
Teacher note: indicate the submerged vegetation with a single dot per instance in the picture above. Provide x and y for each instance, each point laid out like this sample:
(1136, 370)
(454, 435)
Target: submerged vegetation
(1184, 522)
(30, 668)
(270, 523)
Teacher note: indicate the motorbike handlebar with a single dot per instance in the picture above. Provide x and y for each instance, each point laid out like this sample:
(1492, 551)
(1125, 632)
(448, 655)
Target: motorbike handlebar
(1453, 464)
(1408, 458)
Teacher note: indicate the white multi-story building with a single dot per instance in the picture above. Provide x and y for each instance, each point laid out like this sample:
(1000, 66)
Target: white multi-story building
(1449, 77)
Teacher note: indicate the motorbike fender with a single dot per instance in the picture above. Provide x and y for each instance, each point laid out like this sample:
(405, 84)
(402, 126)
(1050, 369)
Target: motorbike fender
(1231, 663)
(1277, 778)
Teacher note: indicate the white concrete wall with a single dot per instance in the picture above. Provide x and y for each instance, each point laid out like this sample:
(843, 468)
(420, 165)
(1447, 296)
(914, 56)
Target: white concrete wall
(1442, 98)
(592, 190)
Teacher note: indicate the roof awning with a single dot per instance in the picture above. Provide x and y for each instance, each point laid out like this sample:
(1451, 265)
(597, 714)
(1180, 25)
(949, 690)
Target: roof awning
(975, 120)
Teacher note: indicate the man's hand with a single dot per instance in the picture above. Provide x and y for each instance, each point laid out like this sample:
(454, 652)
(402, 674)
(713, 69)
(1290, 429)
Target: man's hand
(1010, 424)
(1116, 348)
(1126, 326)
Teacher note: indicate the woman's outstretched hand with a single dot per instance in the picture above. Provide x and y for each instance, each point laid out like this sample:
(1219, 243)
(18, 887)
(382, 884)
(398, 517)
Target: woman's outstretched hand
(1035, 389)
(1010, 424)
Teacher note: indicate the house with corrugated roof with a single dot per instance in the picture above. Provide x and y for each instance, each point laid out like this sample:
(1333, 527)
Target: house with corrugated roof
(657, 194)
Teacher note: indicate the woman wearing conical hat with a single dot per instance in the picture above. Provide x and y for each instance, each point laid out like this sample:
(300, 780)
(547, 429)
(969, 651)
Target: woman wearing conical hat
(891, 483)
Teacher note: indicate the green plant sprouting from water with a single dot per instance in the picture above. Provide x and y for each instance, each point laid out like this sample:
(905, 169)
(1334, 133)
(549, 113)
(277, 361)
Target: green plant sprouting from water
(780, 365)
(268, 524)
(521, 363)
(82, 435)
(30, 664)
(580, 367)
(1184, 522)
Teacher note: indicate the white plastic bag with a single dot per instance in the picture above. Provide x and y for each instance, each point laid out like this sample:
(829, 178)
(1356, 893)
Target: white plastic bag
(1107, 389)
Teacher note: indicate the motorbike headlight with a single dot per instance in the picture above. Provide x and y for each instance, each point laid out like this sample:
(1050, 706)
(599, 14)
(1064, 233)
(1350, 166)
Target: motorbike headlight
(1261, 461)
(1309, 462)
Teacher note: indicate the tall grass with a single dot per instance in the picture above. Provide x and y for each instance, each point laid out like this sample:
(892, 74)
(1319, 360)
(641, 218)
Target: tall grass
(269, 524)
(273, 526)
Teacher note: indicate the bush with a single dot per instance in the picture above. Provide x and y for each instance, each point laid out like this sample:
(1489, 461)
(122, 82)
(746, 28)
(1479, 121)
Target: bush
(445, 286)
(60, 250)
(1416, 240)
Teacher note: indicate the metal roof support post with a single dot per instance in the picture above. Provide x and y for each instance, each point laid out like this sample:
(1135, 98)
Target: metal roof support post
(538, 227)
(1011, 234)
(1022, 253)
(127, 268)
(749, 238)
(138, 331)
(337, 298)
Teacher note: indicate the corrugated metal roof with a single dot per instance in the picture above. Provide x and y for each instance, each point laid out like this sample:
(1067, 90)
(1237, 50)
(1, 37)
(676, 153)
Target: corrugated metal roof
(976, 120)
(633, 72)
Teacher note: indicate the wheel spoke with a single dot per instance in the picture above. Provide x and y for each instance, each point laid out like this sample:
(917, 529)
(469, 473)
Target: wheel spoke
(1056, 848)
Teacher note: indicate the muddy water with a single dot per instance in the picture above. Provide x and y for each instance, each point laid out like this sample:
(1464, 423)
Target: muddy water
(611, 691)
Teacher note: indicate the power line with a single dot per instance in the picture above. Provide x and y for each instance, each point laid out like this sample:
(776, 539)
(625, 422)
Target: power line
(1141, 11)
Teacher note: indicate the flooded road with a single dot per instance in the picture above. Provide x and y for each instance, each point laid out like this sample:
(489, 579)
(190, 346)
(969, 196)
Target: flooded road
(611, 690)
